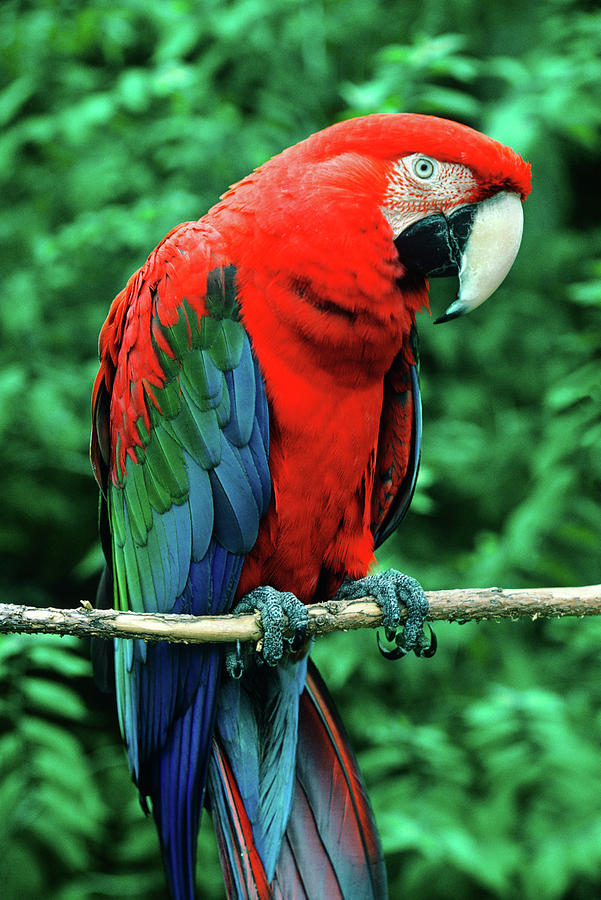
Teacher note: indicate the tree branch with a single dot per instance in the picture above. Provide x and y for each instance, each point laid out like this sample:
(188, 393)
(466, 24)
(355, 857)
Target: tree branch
(453, 606)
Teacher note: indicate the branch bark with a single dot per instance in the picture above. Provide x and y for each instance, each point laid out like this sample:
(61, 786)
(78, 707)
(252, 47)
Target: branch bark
(453, 606)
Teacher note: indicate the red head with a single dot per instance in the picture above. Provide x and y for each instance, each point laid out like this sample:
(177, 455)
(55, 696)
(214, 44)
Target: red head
(327, 212)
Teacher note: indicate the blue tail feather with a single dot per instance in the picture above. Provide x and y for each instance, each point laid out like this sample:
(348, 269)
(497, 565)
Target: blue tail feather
(330, 846)
(178, 781)
(257, 724)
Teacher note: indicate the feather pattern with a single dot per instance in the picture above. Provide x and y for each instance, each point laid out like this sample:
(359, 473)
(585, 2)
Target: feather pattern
(399, 444)
(330, 788)
(331, 846)
(183, 465)
(257, 725)
(243, 870)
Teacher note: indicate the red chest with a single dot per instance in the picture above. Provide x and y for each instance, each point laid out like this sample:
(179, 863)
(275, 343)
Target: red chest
(322, 455)
(324, 353)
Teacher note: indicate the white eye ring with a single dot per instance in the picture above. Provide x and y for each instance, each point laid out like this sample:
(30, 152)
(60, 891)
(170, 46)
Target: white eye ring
(423, 167)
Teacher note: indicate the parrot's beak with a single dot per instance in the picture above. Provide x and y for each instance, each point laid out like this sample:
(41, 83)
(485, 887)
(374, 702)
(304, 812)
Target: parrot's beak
(478, 243)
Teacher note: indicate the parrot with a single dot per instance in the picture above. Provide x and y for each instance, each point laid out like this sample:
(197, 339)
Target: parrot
(256, 436)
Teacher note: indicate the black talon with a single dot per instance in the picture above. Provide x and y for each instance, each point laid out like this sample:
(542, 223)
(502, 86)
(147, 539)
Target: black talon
(390, 633)
(297, 641)
(397, 652)
(400, 650)
(429, 651)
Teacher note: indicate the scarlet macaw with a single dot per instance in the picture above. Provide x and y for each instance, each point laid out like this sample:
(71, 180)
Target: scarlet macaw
(256, 432)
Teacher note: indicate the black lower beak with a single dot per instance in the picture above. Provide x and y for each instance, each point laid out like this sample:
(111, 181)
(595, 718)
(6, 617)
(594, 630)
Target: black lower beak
(433, 246)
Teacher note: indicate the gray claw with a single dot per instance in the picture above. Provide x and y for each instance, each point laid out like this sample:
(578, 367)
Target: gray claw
(392, 589)
(273, 606)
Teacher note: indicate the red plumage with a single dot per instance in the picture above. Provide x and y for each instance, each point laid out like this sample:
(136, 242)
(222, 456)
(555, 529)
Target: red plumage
(329, 307)
(312, 216)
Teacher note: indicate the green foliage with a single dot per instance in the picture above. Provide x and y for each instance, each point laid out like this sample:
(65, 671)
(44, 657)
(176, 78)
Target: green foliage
(46, 785)
(71, 824)
(118, 122)
(485, 770)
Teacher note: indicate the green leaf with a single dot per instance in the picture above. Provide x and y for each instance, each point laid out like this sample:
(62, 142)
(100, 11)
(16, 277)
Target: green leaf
(54, 698)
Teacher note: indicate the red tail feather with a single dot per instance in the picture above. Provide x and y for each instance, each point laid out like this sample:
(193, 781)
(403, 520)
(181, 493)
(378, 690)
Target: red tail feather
(240, 860)
(331, 848)
(334, 845)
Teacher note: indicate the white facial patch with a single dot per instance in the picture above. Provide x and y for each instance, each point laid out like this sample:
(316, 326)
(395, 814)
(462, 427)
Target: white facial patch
(410, 197)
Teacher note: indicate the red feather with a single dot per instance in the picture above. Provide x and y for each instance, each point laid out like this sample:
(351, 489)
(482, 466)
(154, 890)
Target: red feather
(131, 337)
(397, 446)
(245, 859)
(331, 848)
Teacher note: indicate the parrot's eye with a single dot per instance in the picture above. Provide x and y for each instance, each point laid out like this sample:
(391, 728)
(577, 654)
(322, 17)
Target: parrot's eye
(423, 167)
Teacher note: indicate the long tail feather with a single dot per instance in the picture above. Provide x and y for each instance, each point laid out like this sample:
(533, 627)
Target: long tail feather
(334, 845)
(331, 847)
(175, 781)
(243, 870)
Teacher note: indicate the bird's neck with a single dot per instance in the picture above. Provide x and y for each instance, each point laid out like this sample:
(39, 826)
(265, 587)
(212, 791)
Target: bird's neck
(346, 310)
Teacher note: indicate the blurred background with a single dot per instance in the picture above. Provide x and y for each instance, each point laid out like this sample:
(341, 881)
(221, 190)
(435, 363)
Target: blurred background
(119, 121)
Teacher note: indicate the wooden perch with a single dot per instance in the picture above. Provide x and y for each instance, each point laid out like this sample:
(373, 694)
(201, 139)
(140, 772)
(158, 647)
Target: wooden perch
(453, 606)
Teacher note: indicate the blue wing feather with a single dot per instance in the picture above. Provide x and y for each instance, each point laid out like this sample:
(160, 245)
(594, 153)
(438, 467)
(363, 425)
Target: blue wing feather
(254, 478)
(201, 508)
(187, 513)
(236, 513)
(160, 578)
(262, 410)
(241, 388)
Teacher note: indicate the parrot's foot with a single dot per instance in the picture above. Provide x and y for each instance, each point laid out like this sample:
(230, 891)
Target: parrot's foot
(273, 606)
(391, 589)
